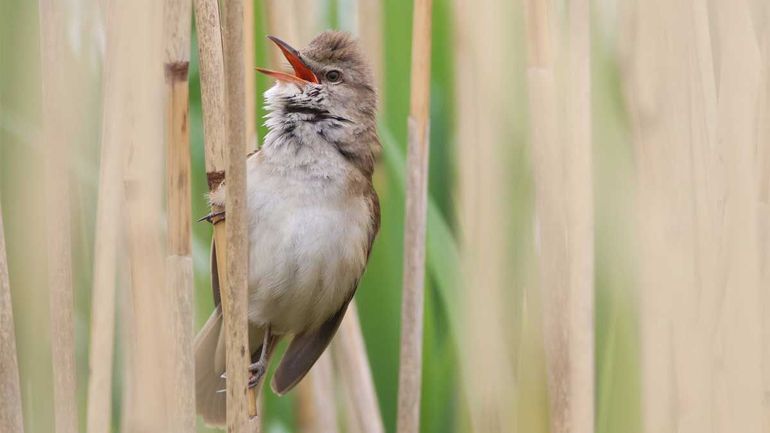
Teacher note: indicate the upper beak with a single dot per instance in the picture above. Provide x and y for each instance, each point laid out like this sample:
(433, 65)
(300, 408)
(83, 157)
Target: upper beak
(302, 73)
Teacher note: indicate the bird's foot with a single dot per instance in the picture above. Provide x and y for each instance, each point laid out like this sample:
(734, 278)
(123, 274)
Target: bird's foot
(257, 371)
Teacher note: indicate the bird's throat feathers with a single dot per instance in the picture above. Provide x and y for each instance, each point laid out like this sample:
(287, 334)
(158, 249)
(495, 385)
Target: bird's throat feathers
(302, 121)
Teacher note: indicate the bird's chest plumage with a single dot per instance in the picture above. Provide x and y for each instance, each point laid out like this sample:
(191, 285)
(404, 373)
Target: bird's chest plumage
(308, 240)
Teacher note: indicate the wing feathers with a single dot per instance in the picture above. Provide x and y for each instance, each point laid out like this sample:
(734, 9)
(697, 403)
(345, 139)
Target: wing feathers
(304, 351)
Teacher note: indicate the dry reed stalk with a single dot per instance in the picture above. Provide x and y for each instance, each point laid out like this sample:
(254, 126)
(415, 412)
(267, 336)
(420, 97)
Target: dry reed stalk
(316, 399)
(553, 214)
(250, 87)
(309, 20)
(369, 29)
(580, 249)
(696, 172)
(763, 189)
(179, 266)
(356, 376)
(212, 76)
(282, 22)
(739, 401)
(207, 23)
(410, 367)
(135, 119)
(57, 134)
(11, 419)
(562, 151)
(234, 289)
(106, 239)
(484, 143)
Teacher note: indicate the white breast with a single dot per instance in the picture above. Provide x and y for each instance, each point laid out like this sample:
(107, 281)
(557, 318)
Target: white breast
(308, 243)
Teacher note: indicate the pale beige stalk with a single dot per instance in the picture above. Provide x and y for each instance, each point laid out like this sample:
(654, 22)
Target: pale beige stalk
(410, 367)
(58, 132)
(697, 214)
(483, 182)
(136, 120)
(763, 189)
(11, 419)
(550, 205)
(212, 76)
(578, 185)
(369, 29)
(234, 289)
(106, 239)
(179, 265)
(561, 149)
(250, 89)
(316, 399)
(356, 376)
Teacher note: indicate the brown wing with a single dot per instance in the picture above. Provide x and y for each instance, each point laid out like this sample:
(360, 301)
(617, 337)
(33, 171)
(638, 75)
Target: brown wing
(305, 349)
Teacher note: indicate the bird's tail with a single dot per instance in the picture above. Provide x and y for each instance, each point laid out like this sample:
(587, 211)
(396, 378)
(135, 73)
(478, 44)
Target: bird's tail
(209, 366)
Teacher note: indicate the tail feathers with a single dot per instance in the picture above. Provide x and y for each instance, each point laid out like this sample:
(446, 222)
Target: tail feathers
(210, 364)
(209, 403)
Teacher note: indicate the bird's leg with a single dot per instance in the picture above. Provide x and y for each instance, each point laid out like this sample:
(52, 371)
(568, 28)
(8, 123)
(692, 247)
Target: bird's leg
(259, 368)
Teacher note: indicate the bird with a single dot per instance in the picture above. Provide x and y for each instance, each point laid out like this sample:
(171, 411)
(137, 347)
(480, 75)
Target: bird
(313, 215)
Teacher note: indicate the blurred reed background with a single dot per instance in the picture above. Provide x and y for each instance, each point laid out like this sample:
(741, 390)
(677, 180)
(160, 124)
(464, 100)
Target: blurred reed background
(598, 216)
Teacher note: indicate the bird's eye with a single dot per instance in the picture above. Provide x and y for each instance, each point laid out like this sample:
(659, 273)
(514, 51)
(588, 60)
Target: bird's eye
(333, 76)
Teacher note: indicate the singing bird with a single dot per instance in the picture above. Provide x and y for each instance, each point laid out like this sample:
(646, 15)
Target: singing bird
(312, 216)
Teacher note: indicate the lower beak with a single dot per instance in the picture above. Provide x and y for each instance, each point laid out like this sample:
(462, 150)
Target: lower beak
(302, 73)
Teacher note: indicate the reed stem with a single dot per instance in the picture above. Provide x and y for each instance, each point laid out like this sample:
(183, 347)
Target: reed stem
(179, 265)
(234, 290)
(410, 369)
(57, 134)
(11, 419)
(356, 376)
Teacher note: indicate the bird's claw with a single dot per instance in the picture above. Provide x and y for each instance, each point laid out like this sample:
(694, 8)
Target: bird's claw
(257, 370)
(213, 217)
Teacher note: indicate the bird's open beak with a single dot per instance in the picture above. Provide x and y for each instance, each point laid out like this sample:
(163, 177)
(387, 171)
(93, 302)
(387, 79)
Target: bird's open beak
(302, 73)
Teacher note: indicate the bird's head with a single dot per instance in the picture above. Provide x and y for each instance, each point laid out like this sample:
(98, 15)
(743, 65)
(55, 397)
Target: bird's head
(330, 87)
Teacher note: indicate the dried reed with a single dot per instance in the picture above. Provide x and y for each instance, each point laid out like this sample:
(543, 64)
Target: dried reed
(11, 419)
(57, 134)
(234, 289)
(315, 397)
(106, 239)
(410, 367)
(483, 143)
(370, 32)
(250, 88)
(179, 265)
(356, 376)
(578, 184)
(138, 96)
(696, 150)
(562, 162)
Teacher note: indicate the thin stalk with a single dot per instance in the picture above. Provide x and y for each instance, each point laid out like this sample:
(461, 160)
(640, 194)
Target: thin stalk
(57, 130)
(580, 223)
(485, 331)
(234, 290)
(369, 30)
(551, 208)
(356, 376)
(139, 92)
(410, 369)
(250, 89)
(11, 419)
(316, 402)
(106, 239)
(179, 276)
